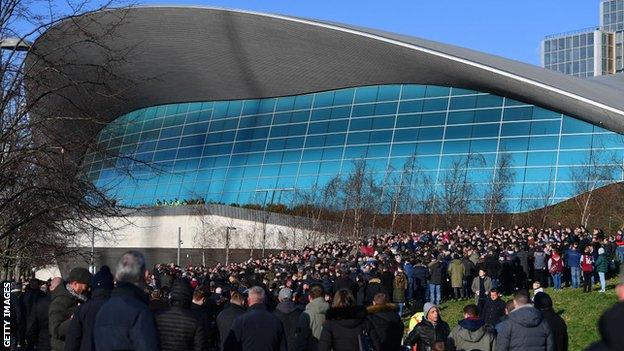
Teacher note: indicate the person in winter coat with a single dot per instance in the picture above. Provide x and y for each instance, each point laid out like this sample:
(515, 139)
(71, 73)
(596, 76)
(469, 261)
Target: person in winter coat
(557, 325)
(311, 321)
(231, 311)
(288, 313)
(421, 272)
(177, 326)
(436, 278)
(493, 309)
(481, 287)
(539, 266)
(37, 328)
(555, 268)
(432, 329)
(344, 325)
(610, 328)
(602, 266)
(399, 285)
(469, 273)
(125, 322)
(80, 334)
(587, 266)
(525, 329)
(471, 333)
(383, 324)
(257, 329)
(65, 299)
(457, 271)
(372, 288)
(573, 261)
(205, 311)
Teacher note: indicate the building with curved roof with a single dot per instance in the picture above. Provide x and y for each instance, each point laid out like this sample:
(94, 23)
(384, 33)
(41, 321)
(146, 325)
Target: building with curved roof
(242, 107)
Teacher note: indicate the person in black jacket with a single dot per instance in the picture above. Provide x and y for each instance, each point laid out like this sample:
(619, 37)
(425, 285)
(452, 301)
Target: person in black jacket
(80, 333)
(493, 309)
(125, 322)
(231, 311)
(177, 326)
(432, 329)
(288, 313)
(37, 332)
(557, 325)
(205, 311)
(257, 329)
(436, 278)
(421, 272)
(610, 328)
(383, 324)
(372, 288)
(344, 324)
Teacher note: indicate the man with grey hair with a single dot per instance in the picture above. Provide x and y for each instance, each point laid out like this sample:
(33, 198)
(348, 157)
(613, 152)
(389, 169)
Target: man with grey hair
(257, 329)
(125, 322)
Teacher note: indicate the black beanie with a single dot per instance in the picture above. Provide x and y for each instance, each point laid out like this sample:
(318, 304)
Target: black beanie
(103, 279)
(181, 291)
(80, 275)
(542, 301)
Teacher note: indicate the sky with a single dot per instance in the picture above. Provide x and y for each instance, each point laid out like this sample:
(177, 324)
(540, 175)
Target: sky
(509, 28)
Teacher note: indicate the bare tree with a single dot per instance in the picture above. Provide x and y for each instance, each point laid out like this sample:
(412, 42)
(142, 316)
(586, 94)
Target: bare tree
(502, 180)
(205, 236)
(361, 194)
(590, 175)
(46, 199)
(457, 189)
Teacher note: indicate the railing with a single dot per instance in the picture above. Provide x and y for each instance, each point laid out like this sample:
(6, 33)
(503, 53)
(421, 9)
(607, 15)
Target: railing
(570, 33)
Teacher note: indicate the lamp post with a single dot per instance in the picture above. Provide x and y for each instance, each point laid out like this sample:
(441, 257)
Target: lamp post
(227, 244)
(179, 244)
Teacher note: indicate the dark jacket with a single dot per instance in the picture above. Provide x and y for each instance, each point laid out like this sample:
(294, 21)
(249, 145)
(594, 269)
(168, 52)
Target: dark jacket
(37, 329)
(257, 329)
(493, 311)
(179, 329)
(525, 330)
(436, 273)
(80, 334)
(610, 328)
(425, 334)
(226, 318)
(310, 325)
(373, 287)
(62, 307)
(125, 322)
(421, 272)
(206, 314)
(384, 326)
(288, 313)
(558, 327)
(471, 334)
(342, 329)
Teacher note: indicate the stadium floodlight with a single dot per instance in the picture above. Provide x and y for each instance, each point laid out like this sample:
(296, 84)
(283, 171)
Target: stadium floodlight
(15, 44)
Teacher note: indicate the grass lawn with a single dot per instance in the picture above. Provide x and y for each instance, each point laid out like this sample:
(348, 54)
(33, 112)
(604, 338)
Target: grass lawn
(580, 311)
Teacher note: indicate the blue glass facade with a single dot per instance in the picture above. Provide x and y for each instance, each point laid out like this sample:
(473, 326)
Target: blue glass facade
(263, 150)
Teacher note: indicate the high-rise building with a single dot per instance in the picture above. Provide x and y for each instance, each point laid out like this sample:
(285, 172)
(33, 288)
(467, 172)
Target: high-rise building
(590, 52)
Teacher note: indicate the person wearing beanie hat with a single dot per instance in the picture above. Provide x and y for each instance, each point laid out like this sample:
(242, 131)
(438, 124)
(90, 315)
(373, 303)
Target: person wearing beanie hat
(288, 313)
(543, 302)
(80, 334)
(64, 300)
(602, 267)
(432, 329)
(178, 327)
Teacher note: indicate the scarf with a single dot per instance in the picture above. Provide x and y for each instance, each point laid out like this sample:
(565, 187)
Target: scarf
(81, 298)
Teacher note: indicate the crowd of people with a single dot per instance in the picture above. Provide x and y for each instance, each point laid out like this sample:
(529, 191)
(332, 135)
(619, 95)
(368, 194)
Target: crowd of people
(381, 293)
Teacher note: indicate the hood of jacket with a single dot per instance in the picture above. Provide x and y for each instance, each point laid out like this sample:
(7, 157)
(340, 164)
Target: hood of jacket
(287, 307)
(610, 327)
(527, 316)
(387, 312)
(317, 306)
(348, 317)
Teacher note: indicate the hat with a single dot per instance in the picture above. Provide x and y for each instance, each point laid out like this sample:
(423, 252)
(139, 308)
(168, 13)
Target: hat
(427, 308)
(80, 275)
(103, 279)
(285, 294)
(542, 301)
(601, 251)
(181, 290)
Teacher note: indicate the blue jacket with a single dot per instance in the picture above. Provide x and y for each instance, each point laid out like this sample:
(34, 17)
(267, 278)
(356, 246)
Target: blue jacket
(80, 334)
(409, 271)
(573, 258)
(125, 322)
